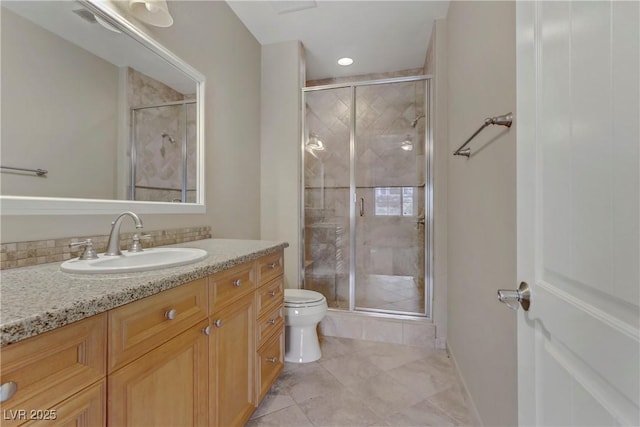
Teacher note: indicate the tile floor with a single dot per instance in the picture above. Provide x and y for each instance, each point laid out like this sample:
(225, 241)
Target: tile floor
(366, 383)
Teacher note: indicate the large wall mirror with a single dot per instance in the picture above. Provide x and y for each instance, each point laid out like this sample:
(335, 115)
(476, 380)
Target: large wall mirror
(96, 115)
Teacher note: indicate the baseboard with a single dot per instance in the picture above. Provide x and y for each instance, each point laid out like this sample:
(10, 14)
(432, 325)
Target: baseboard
(473, 410)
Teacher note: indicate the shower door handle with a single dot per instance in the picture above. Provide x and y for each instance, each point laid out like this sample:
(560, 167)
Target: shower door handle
(361, 206)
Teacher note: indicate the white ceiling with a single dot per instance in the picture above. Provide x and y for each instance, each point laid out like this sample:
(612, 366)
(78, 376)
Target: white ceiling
(381, 36)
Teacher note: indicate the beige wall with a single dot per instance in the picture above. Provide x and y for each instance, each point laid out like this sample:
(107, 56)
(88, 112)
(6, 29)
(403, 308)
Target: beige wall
(282, 79)
(436, 65)
(55, 117)
(212, 39)
(482, 205)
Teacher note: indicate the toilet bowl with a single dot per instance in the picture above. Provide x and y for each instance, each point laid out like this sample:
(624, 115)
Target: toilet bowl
(303, 309)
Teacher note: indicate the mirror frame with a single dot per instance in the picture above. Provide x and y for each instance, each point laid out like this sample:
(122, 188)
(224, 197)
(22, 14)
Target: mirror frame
(22, 205)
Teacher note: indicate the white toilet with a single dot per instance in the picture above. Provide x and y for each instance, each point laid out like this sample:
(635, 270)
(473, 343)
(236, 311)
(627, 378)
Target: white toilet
(303, 309)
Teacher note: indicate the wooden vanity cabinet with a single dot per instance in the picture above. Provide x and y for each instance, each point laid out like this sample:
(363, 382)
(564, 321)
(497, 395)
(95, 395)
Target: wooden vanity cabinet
(269, 324)
(201, 354)
(59, 376)
(247, 337)
(166, 386)
(232, 363)
(232, 344)
(159, 359)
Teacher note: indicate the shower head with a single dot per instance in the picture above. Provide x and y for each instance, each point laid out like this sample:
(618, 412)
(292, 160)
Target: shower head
(166, 135)
(415, 121)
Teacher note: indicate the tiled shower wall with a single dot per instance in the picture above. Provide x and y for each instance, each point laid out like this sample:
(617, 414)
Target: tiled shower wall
(159, 161)
(385, 245)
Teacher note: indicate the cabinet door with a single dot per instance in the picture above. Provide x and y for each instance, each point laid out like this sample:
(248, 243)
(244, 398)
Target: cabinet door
(232, 363)
(165, 387)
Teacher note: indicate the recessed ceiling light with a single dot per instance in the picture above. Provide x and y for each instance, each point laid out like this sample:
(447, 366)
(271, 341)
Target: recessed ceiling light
(345, 61)
(282, 7)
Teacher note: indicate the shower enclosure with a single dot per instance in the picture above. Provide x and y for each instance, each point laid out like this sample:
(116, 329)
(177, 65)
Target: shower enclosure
(163, 152)
(366, 155)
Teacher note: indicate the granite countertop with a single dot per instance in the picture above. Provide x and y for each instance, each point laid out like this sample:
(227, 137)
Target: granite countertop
(38, 299)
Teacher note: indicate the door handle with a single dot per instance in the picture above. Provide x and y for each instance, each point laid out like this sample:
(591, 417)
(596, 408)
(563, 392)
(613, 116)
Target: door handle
(522, 295)
(361, 206)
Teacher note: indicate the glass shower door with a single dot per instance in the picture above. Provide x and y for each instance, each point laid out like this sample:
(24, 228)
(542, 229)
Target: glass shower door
(390, 182)
(326, 140)
(164, 155)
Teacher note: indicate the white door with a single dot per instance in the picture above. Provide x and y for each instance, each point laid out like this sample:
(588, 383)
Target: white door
(578, 212)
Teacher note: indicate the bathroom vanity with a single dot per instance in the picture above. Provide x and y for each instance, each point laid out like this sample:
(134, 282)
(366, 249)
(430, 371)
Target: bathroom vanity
(191, 345)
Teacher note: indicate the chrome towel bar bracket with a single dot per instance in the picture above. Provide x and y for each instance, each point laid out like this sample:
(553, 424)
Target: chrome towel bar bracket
(39, 172)
(503, 120)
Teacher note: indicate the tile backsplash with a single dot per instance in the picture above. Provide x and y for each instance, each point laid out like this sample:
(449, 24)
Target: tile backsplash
(23, 254)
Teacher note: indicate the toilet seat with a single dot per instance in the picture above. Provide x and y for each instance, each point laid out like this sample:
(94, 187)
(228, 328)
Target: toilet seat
(298, 298)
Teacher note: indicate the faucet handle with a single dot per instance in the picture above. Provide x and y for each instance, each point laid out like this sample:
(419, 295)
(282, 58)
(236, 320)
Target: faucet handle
(136, 245)
(89, 251)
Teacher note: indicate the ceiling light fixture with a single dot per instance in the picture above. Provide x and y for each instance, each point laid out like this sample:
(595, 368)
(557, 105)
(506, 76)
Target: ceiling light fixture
(91, 18)
(153, 12)
(282, 7)
(345, 61)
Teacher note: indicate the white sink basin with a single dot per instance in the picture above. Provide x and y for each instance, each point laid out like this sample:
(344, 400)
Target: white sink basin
(149, 259)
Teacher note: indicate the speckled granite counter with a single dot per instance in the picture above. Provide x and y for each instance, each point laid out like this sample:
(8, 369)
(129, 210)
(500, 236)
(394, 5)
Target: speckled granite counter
(38, 299)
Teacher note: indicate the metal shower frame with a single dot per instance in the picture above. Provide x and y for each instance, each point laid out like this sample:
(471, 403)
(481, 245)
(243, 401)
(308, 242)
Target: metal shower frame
(134, 152)
(428, 252)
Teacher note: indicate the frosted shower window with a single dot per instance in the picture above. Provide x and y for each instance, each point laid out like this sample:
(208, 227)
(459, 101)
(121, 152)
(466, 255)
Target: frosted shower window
(394, 201)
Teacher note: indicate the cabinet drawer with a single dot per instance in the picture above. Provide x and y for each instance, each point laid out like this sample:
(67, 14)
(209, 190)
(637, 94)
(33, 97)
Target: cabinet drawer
(85, 409)
(53, 366)
(229, 285)
(269, 323)
(270, 295)
(269, 267)
(270, 363)
(137, 328)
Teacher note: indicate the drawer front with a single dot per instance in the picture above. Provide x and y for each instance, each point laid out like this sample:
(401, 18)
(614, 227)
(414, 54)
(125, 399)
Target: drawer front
(137, 328)
(85, 409)
(230, 285)
(270, 363)
(270, 267)
(269, 324)
(53, 366)
(270, 295)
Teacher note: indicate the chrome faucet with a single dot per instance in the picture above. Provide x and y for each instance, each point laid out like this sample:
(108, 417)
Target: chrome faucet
(113, 247)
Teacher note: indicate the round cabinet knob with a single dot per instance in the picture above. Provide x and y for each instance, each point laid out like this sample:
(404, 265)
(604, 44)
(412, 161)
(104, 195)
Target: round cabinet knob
(272, 321)
(7, 390)
(171, 314)
(207, 330)
(237, 283)
(272, 359)
(273, 265)
(218, 323)
(272, 293)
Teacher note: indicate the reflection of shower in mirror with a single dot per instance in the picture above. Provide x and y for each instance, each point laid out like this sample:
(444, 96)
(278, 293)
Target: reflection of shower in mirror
(171, 140)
